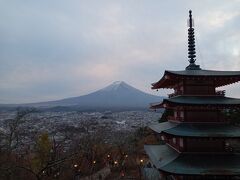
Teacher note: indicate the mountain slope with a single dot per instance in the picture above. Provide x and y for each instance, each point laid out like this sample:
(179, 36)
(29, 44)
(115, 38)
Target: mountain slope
(117, 95)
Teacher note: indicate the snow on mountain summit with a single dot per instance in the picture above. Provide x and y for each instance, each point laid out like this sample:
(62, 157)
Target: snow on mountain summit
(117, 85)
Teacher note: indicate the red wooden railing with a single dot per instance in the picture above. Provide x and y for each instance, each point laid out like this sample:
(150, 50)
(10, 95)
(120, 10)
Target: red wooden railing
(217, 93)
(175, 118)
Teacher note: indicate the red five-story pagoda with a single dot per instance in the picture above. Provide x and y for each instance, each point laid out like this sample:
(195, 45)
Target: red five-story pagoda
(198, 137)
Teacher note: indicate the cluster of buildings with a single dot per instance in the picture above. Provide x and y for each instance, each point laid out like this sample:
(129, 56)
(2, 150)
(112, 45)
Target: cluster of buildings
(69, 125)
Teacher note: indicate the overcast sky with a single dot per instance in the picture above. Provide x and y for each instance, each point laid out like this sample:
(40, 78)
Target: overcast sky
(63, 48)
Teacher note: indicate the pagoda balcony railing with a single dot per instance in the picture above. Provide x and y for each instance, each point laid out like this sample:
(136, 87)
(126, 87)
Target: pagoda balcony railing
(174, 94)
(171, 95)
(217, 93)
(175, 118)
(220, 93)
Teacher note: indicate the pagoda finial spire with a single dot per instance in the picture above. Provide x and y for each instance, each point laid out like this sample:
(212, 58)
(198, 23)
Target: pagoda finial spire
(190, 19)
(191, 45)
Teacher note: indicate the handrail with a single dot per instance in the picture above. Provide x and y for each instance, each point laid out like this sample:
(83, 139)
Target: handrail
(217, 93)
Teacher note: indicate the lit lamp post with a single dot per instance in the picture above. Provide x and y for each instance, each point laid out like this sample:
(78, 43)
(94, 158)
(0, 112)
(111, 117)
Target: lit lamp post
(140, 165)
(77, 171)
(108, 160)
(93, 166)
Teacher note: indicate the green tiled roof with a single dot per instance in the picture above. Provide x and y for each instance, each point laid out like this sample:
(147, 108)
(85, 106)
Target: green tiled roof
(204, 100)
(199, 100)
(159, 127)
(197, 129)
(205, 73)
(150, 174)
(193, 163)
(160, 155)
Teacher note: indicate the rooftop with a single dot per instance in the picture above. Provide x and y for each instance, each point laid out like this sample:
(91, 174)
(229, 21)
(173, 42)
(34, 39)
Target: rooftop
(197, 129)
(219, 101)
(202, 72)
(220, 78)
(165, 159)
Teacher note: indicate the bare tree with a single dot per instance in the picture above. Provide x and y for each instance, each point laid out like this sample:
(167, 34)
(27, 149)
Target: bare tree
(9, 141)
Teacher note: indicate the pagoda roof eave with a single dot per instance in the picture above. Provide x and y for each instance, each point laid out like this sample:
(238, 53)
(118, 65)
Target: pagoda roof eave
(160, 127)
(193, 163)
(204, 73)
(162, 83)
(160, 155)
(171, 77)
(206, 101)
(214, 130)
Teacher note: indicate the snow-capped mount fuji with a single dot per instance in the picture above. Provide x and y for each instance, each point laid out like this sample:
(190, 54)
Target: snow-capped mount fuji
(118, 95)
(117, 85)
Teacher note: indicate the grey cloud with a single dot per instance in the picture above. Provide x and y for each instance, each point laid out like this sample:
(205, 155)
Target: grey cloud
(56, 49)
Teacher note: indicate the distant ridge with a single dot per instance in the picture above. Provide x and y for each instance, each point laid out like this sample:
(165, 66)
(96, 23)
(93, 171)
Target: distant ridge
(118, 95)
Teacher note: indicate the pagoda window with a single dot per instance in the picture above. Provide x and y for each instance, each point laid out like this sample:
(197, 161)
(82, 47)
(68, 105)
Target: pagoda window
(181, 114)
(181, 91)
(228, 146)
(181, 142)
(174, 140)
(175, 114)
